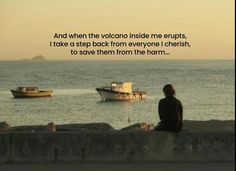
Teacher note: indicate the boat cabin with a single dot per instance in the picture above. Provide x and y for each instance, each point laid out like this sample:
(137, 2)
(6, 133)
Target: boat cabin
(125, 87)
(27, 89)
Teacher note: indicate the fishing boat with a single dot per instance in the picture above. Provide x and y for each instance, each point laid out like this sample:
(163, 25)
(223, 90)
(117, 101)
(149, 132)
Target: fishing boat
(26, 92)
(120, 91)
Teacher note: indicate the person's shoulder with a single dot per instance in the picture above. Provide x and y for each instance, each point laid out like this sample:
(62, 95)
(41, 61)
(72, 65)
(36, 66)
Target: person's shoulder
(177, 100)
(162, 100)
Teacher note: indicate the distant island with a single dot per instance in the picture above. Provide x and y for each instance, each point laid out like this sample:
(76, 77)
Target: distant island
(38, 58)
(35, 58)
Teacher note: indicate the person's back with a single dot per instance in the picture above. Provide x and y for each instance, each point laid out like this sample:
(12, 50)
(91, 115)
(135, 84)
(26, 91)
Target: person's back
(170, 111)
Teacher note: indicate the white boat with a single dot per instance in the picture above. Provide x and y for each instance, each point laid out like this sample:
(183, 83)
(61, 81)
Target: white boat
(120, 91)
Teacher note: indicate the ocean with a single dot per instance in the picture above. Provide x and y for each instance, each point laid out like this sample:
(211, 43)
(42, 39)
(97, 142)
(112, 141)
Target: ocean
(206, 89)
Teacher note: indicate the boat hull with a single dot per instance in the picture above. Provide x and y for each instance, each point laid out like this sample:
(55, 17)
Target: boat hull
(110, 95)
(19, 94)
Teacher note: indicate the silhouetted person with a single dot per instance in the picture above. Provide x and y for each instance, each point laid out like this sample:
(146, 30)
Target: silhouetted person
(170, 111)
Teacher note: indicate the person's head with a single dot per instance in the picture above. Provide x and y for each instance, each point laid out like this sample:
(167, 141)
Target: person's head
(169, 90)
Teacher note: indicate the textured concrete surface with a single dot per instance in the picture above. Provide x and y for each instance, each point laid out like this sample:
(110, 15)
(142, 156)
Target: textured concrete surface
(165, 166)
(200, 141)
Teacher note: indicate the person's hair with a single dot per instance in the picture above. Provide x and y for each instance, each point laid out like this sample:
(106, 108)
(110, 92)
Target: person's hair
(169, 90)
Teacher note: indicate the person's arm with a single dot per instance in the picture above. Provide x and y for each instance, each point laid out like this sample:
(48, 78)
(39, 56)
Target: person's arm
(180, 114)
(181, 111)
(160, 109)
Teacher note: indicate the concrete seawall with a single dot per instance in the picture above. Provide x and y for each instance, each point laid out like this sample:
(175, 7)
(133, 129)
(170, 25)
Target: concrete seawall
(199, 141)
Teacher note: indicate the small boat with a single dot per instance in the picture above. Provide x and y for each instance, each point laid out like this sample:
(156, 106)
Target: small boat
(120, 91)
(27, 92)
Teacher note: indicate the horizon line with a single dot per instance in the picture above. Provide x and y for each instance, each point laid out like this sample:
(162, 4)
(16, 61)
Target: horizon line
(24, 60)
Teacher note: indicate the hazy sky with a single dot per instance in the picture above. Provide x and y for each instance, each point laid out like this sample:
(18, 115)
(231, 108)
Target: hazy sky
(27, 26)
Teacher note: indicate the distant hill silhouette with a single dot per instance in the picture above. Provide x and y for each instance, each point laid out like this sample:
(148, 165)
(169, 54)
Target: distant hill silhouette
(38, 58)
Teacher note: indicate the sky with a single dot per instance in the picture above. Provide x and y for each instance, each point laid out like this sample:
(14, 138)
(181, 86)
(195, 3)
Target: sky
(27, 26)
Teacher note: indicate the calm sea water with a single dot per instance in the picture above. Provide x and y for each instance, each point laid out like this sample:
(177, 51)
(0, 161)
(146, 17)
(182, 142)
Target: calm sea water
(206, 89)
